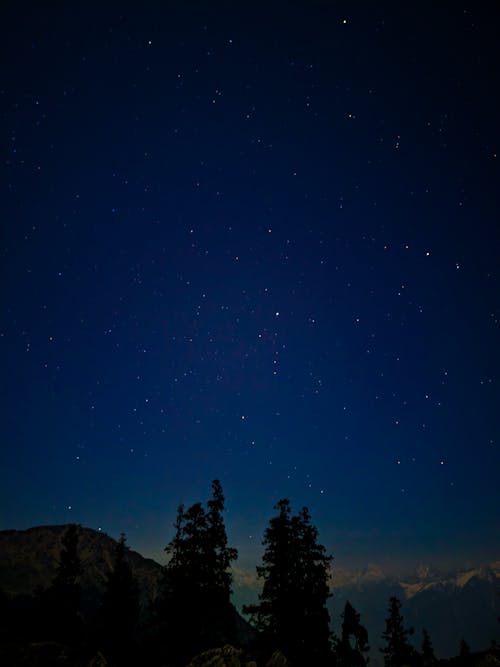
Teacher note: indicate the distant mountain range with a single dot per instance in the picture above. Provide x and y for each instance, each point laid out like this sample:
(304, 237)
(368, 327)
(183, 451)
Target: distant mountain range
(453, 606)
(462, 604)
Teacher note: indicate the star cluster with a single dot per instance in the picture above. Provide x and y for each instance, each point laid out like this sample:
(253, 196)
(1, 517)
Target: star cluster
(257, 246)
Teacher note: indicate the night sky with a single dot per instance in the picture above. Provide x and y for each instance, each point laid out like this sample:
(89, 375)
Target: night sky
(260, 244)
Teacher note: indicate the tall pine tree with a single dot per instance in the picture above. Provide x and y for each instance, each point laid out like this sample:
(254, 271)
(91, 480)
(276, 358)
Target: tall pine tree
(218, 550)
(193, 611)
(464, 654)
(397, 651)
(219, 556)
(61, 601)
(428, 656)
(120, 608)
(291, 612)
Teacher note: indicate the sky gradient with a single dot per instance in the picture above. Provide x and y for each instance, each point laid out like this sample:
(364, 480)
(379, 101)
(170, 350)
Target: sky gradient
(259, 245)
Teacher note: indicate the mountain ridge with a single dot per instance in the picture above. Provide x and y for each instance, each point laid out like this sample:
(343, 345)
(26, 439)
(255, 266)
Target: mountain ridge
(459, 604)
(29, 559)
(454, 605)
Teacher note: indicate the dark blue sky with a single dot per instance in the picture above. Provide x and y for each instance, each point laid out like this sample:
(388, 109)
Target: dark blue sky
(259, 244)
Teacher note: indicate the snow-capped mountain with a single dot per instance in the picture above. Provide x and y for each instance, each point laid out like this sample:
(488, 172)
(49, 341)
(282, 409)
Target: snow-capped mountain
(463, 604)
(425, 580)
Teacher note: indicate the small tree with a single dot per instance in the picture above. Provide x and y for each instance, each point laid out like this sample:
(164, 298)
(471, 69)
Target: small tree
(292, 611)
(427, 649)
(120, 606)
(398, 651)
(352, 631)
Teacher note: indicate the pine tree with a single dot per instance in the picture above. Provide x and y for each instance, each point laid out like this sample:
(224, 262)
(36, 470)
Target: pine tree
(271, 615)
(353, 655)
(168, 614)
(292, 611)
(464, 650)
(193, 611)
(427, 649)
(120, 607)
(313, 571)
(219, 557)
(218, 550)
(398, 651)
(61, 601)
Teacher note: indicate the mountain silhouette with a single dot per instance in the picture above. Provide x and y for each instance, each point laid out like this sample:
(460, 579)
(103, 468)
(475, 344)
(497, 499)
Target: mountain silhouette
(29, 559)
(457, 604)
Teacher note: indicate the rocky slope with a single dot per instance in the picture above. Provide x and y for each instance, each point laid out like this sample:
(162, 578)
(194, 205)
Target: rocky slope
(29, 558)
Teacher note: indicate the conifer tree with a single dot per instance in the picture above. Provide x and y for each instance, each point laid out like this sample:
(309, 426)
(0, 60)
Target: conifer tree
(62, 599)
(464, 650)
(168, 613)
(120, 607)
(292, 611)
(183, 598)
(313, 571)
(193, 611)
(218, 550)
(6, 617)
(270, 616)
(398, 651)
(219, 557)
(354, 639)
(427, 649)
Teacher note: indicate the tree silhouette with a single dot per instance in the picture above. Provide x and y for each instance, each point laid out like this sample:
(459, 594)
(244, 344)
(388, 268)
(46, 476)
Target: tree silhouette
(427, 649)
(181, 605)
(219, 557)
(292, 613)
(61, 601)
(348, 653)
(193, 611)
(464, 650)
(7, 627)
(120, 607)
(398, 651)
(271, 615)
